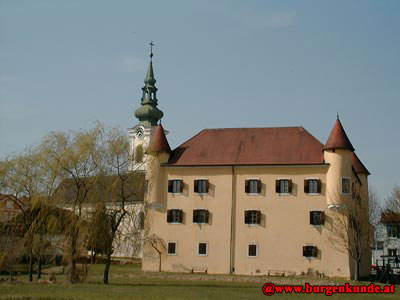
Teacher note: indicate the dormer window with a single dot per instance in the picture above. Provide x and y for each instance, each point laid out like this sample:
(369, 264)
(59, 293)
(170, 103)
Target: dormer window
(253, 186)
(175, 186)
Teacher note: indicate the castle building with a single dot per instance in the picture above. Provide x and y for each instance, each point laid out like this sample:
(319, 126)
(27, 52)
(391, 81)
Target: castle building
(246, 200)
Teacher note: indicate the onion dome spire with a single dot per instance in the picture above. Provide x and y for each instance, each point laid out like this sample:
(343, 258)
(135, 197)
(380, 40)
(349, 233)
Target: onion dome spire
(338, 138)
(149, 114)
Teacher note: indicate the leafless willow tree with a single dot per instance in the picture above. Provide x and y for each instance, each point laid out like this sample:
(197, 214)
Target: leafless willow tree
(76, 155)
(351, 230)
(124, 188)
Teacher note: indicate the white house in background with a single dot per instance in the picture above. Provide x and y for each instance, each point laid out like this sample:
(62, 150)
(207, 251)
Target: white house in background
(387, 237)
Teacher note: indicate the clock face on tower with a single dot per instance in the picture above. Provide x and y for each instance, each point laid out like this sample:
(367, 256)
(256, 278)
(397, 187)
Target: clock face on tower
(139, 132)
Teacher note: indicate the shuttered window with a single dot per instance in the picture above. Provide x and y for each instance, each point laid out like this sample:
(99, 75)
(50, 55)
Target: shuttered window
(200, 216)
(317, 217)
(312, 186)
(175, 186)
(174, 216)
(310, 251)
(252, 217)
(201, 186)
(253, 186)
(283, 186)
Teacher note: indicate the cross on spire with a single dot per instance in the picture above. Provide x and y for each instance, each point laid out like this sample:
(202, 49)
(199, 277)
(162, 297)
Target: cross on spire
(151, 49)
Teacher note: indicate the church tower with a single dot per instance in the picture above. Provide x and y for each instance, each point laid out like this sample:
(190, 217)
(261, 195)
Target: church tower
(149, 115)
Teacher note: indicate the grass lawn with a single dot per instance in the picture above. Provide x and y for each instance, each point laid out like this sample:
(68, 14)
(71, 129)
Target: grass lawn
(129, 282)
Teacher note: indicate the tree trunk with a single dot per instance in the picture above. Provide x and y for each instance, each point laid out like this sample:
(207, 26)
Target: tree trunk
(39, 270)
(357, 270)
(159, 262)
(30, 271)
(107, 267)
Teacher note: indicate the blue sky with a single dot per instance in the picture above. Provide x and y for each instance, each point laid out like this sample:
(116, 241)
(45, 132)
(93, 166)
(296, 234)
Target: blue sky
(66, 64)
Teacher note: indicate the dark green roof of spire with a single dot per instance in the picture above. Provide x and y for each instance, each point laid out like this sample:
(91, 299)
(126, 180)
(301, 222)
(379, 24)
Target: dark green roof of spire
(148, 114)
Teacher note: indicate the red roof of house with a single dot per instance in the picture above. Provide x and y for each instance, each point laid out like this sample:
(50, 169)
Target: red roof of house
(338, 138)
(249, 146)
(390, 217)
(159, 143)
(358, 165)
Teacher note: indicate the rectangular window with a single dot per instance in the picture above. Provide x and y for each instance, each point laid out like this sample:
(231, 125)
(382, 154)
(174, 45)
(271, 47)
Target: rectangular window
(312, 186)
(200, 216)
(317, 217)
(202, 249)
(253, 186)
(252, 217)
(346, 185)
(393, 231)
(172, 248)
(174, 216)
(175, 186)
(283, 186)
(392, 252)
(10, 204)
(252, 250)
(379, 245)
(201, 186)
(310, 251)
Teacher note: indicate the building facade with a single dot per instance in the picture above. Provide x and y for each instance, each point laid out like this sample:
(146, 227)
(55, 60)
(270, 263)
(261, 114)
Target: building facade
(246, 200)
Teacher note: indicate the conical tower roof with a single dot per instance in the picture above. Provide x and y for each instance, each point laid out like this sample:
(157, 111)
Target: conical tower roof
(159, 142)
(338, 138)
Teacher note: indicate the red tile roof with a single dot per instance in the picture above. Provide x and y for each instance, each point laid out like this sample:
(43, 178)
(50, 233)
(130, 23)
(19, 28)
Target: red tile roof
(390, 217)
(338, 138)
(249, 146)
(358, 165)
(159, 143)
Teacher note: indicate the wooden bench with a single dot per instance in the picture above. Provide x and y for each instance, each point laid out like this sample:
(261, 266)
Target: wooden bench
(199, 270)
(276, 273)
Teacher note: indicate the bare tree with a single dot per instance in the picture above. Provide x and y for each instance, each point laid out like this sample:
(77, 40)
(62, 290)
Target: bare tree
(124, 188)
(393, 202)
(20, 180)
(351, 231)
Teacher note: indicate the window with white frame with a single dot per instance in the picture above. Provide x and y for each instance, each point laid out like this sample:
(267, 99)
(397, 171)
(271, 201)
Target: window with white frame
(317, 217)
(172, 248)
(310, 251)
(346, 184)
(201, 186)
(202, 249)
(174, 216)
(283, 186)
(253, 186)
(175, 186)
(200, 216)
(252, 217)
(312, 186)
(252, 250)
